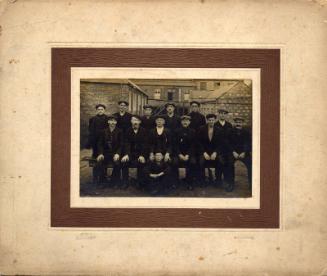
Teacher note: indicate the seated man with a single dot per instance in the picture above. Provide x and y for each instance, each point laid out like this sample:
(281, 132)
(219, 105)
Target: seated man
(109, 149)
(211, 143)
(157, 174)
(160, 139)
(240, 143)
(135, 150)
(184, 150)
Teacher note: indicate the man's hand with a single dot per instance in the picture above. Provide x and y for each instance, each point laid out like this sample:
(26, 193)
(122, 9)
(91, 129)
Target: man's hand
(242, 155)
(206, 156)
(100, 157)
(125, 158)
(116, 157)
(141, 159)
(187, 157)
(213, 156)
(235, 155)
(151, 156)
(167, 157)
(153, 175)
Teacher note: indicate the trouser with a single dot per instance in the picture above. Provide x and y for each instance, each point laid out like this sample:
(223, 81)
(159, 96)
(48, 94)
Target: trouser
(247, 161)
(189, 166)
(101, 168)
(133, 163)
(157, 185)
(225, 168)
(203, 163)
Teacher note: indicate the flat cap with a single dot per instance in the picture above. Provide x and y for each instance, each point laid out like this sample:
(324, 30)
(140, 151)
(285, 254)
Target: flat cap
(160, 117)
(136, 116)
(112, 117)
(222, 110)
(122, 101)
(211, 115)
(168, 104)
(195, 102)
(238, 119)
(186, 117)
(100, 105)
(147, 106)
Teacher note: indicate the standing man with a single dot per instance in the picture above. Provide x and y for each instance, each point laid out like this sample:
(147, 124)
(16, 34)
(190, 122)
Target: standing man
(148, 121)
(97, 124)
(135, 151)
(185, 139)
(123, 117)
(210, 144)
(109, 149)
(241, 147)
(197, 120)
(226, 161)
(172, 120)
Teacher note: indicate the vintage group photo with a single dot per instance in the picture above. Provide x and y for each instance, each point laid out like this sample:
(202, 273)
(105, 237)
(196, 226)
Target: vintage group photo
(166, 138)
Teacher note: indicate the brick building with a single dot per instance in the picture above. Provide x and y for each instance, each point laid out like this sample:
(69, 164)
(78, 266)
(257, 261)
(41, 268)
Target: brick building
(107, 92)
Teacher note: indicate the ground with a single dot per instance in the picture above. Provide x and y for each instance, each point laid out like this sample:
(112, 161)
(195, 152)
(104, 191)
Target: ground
(88, 188)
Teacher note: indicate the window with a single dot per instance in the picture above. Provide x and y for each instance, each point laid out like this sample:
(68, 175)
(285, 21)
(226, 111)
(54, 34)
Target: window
(203, 85)
(157, 94)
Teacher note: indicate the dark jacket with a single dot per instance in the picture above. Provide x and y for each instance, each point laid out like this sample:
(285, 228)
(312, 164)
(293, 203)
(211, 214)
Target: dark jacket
(136, 144)
(184, 141)
(172, 122)
(111, 142)
(240, 140)
(155, 168)
(197, 120)
(148, 123)
(123, 122)
(215, 145)
(96, 126)
(225, 129)
(161, 142)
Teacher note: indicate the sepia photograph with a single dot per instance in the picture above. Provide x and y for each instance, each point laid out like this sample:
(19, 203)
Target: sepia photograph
(165, 137)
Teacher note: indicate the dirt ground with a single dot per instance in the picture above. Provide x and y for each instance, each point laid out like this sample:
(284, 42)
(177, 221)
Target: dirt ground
(87, 188)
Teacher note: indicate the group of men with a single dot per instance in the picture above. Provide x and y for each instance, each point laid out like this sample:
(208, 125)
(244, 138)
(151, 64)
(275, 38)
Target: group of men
(159, 145)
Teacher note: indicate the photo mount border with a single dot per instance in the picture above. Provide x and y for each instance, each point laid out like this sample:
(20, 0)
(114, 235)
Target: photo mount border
(267, 60)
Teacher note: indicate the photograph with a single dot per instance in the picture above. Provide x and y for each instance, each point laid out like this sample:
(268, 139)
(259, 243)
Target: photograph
(166, 138)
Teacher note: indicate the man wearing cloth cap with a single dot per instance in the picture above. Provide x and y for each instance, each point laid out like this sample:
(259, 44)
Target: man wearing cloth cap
(211, 142)
(123, 117)
(110, 148)
(160, 139)
(197, 120)
(184, 150)
(226, 156)
(135, 150)
(172, 121)
(97, 124)
(148, 120)
(241, 147)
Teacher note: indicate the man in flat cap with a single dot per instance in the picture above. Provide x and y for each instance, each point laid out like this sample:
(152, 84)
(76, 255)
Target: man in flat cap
(123, 117)
(135, 151)
(226, 155)
(197, 120)
(109, 150)
(172, 120)
(160, 139)
(97, 124)
(211, 142)
(147, 119)
(184, 151)
(241, 147)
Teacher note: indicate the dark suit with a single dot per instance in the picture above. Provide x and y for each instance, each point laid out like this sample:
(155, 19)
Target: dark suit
(135, 145)
(240, 141)
(226, 161)
(148, 122)
(123, 122)
(173, 122)
(96, 126)
(161, 142)
(216, 144)
(109, 144)
(184, 144)
(197, 120)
